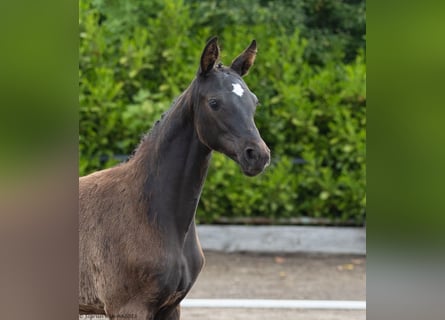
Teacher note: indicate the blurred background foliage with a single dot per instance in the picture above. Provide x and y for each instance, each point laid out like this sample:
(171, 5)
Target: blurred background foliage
(136, 56)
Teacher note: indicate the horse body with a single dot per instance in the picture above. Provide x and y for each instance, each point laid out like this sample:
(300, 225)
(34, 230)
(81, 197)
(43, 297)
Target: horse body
(139, 251)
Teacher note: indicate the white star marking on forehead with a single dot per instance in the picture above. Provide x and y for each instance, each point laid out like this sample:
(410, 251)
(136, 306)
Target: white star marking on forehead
(237, 89)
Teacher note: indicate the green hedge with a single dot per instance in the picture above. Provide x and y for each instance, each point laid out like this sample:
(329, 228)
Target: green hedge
(310, 73)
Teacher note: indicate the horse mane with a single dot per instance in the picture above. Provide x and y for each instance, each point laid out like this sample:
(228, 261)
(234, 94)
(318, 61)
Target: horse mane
(154, 130)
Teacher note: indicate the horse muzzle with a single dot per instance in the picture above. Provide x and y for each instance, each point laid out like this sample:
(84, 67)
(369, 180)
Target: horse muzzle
(255, 158)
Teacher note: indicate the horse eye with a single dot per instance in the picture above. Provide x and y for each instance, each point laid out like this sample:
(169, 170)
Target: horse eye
(213, 104)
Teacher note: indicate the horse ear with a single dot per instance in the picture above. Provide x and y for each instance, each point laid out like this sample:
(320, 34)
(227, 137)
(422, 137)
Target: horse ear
(209, 56)
(245, 60)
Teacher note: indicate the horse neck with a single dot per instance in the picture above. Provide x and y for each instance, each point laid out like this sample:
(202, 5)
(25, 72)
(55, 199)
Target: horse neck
(173, 163)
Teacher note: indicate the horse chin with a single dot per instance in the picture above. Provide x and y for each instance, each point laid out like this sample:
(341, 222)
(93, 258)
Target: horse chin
(251, 171)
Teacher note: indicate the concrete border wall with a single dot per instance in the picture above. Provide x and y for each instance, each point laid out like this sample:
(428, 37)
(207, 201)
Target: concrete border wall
(283, 239)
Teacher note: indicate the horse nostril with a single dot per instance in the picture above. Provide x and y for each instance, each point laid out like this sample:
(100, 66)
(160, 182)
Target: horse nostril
(251, 154)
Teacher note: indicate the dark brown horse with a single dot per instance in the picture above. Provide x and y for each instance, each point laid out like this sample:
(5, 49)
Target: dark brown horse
(139, 251)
